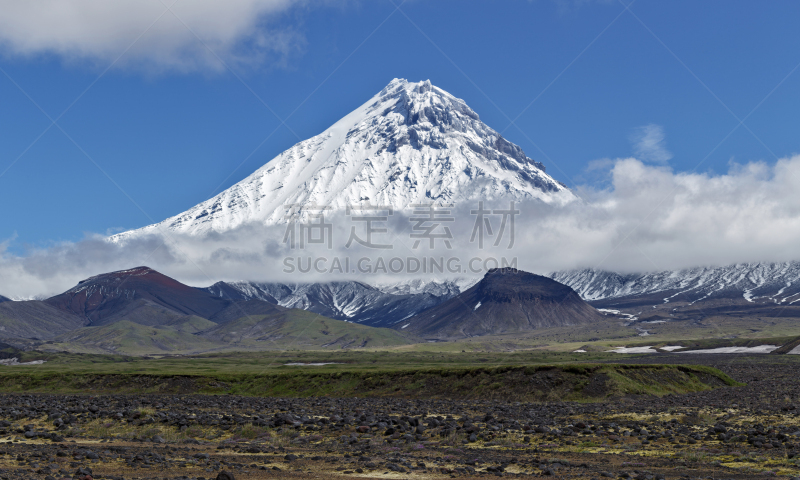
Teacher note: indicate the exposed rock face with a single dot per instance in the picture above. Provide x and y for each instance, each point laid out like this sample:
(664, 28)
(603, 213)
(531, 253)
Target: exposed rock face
(505, 301)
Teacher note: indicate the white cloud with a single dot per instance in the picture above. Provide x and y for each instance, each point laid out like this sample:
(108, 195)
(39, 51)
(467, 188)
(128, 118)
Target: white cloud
(649, 144)
(100, 31)
(649, 219)
(654, 219)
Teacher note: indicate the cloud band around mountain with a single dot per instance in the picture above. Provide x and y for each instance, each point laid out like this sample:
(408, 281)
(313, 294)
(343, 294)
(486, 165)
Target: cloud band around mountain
(650, 219)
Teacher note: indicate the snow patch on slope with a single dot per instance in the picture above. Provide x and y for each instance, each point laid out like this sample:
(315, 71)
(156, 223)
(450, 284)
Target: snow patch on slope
(758, 349)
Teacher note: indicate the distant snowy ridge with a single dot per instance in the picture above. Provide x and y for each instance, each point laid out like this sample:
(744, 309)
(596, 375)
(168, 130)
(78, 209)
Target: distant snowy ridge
(345, 300)
(443, 288)
(410, 143)
(775, 283)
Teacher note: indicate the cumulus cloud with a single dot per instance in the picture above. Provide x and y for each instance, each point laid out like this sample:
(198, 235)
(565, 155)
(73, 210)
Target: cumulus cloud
(649, 144)
(150, 35)
(649, 219)
(654, 219)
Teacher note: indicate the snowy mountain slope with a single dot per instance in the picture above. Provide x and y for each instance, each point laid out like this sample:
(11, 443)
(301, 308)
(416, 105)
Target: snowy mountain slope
(443, 288)
(771, 283)
(410, 143)
(351, 301)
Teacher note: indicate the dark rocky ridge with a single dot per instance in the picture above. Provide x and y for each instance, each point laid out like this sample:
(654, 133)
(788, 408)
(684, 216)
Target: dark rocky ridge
(505, 301)
(108, 297)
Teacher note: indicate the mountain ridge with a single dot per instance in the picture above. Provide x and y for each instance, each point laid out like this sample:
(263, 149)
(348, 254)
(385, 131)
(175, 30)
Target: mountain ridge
(351, 301)
(505, 301)
(770, 282)
(142, 310)
(33, 319)
(99, 298)
(410, 143)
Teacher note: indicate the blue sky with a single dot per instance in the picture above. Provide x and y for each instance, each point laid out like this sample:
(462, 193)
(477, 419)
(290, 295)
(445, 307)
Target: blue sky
(168, 126)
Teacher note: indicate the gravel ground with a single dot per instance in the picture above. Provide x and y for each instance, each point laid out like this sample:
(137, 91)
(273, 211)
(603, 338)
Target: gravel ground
(727, 433)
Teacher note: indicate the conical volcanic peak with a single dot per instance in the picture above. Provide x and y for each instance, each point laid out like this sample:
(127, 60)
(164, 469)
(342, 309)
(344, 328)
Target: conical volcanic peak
(411, 143)
(103, 298)
(505, 301)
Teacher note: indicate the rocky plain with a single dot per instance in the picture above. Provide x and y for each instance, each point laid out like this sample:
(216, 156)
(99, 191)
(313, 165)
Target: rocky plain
(728, 432)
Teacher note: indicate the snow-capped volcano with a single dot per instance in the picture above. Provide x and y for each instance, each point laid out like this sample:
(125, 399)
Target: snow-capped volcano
(411, 143)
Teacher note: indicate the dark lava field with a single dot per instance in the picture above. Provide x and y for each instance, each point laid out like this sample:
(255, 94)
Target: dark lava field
(744, 432)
